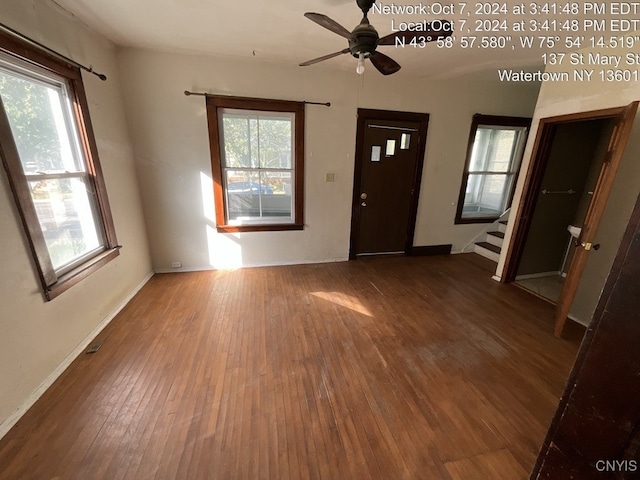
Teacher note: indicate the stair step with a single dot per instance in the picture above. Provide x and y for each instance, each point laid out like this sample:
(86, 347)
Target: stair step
(489, 246)
(488, 250)
(495, 238)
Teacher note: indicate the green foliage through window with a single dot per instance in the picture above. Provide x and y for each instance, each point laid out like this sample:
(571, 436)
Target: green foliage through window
(28, 106)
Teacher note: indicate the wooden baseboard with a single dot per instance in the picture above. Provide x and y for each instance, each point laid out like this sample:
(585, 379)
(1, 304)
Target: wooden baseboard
(251, 265)
(537, 275)
(431, 250)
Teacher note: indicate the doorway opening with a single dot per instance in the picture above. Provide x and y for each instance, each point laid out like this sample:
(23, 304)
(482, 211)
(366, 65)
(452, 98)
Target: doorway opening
(574, 163)
(390, 148)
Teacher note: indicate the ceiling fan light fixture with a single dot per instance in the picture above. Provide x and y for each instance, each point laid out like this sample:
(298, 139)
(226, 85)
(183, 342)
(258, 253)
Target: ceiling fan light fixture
(360, 67)
(364, 40)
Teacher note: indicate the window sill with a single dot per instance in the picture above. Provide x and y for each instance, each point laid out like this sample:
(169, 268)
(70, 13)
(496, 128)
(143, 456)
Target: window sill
(271, 227)
(463, 221)
(69, 279)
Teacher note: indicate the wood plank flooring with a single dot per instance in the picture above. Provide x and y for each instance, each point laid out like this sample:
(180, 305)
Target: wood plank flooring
(384, 368)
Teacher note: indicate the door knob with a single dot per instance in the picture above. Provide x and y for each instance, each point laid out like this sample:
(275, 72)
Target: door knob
(587, 245)
(363, 196)
(364, 204)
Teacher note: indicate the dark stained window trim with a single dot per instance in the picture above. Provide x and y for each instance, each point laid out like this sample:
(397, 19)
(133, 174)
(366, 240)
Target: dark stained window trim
(214, 102)
(480, 119)
(65, 282)
(52, 285)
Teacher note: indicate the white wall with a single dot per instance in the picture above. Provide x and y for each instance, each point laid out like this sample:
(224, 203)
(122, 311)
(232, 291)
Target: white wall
(36, 336)
(169, 133)
(573, 97)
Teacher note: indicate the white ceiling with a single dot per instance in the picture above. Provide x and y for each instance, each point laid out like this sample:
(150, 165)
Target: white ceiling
(276, 31)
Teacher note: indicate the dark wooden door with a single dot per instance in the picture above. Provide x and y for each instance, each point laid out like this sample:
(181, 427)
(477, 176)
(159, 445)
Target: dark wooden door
(390, 152)
(595, 433)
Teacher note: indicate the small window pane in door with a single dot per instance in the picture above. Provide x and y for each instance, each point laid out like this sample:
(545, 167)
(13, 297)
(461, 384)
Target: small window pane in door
(375, 153)
(405, 141)
(391, 148)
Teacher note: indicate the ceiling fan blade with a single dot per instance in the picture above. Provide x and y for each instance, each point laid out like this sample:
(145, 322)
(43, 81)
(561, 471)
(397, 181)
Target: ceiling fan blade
(384, 64)
(326, 57)
(328, 23)
(408, 36)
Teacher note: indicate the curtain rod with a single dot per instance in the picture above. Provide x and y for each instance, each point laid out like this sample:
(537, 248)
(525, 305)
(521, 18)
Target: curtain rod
(188, 93)
(39, 45)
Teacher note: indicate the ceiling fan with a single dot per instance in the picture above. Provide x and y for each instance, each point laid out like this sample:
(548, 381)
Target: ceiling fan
(364, 39)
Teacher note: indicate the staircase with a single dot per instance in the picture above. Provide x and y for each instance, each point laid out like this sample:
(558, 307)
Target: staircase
(492, 246)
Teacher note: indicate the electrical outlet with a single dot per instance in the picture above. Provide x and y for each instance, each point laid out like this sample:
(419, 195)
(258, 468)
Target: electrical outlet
(176, 265)
(330, 177)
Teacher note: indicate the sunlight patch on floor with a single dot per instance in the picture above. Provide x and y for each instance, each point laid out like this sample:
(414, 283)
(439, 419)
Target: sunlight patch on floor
(344, 300)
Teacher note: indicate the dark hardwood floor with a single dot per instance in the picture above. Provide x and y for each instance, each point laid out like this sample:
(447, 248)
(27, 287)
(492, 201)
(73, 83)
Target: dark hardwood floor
(385, 368)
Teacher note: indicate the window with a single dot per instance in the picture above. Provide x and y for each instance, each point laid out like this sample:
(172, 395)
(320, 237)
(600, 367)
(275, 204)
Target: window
(257, 161)
(494, 153)
(51, 161)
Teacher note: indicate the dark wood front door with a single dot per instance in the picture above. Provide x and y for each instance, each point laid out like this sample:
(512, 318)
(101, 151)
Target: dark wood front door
(595, 433)
(389, 155)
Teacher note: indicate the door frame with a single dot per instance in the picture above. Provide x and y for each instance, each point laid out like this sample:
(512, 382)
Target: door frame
(365, 114)
(533, 181)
